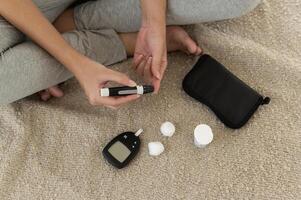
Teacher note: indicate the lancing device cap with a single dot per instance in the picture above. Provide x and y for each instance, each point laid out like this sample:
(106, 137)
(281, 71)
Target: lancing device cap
(148, 89)
(202, 135)
(104, 92)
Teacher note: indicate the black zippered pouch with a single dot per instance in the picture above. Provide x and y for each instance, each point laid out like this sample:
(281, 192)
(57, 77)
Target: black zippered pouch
(232, 100)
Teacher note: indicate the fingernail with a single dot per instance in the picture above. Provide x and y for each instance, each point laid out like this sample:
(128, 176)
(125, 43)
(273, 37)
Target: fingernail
(132, 83)
(45, 97)
(158, 75)
(140, 56)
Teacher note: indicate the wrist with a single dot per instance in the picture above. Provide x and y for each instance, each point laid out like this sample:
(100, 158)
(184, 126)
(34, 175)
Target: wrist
(153, 22)
(153, 12)
(157, 30)
(73, 61)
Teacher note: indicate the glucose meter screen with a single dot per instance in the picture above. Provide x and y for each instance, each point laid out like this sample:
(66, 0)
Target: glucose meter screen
(119, 151)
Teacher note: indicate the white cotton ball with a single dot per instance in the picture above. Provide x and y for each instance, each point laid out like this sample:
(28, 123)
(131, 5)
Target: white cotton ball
(168, 129)
(202, 135)
(155, 148)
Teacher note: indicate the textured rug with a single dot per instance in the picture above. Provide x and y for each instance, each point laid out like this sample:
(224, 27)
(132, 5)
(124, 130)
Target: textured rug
(53, 150)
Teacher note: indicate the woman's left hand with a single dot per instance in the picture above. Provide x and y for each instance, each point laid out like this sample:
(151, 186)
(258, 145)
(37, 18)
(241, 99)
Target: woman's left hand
(150, 57)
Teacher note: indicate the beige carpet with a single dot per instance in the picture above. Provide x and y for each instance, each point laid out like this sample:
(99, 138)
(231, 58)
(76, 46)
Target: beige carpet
(52, 150)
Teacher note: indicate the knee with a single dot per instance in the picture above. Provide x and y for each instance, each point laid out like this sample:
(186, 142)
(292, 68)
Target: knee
(241, 8)
(9, 35)
(196, 11)
(233, 8)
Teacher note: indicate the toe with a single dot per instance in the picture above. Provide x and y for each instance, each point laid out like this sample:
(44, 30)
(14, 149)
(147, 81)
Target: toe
(191, 46)
(56, 91)
(45, 95)
(199, 51)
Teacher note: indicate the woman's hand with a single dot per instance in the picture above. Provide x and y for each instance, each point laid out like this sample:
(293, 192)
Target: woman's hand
(150, 57)
(93, 76)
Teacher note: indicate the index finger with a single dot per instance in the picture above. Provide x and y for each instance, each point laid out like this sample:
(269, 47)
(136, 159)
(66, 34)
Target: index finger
(163, 68)
(137, 60)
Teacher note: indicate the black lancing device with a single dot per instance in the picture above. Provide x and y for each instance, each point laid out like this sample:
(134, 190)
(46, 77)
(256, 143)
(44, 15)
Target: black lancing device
(124, 91)
(122, 149)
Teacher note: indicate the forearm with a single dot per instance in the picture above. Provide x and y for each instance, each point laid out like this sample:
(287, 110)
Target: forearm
(25, 16)
(154, 12)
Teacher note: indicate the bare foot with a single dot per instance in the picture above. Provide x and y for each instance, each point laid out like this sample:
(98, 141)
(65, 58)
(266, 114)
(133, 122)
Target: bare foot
(54, 91)
(179, 40)
(176, 37)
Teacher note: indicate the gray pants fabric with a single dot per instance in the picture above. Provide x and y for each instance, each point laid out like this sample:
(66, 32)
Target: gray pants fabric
(25, 68)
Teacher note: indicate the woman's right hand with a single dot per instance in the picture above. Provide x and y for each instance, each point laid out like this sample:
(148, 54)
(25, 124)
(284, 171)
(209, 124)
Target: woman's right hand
(93, 76)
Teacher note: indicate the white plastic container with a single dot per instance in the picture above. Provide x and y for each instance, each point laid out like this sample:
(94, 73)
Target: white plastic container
(168, 129)
(155, 148)
(202, 135)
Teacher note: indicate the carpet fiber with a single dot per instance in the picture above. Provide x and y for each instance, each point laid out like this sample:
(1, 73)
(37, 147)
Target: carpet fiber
(53, 150)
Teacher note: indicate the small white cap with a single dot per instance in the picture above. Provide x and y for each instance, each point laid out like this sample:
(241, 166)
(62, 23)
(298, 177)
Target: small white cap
(140, 89)
(202, 135)
(168, 129)
(155, 148)
(104, 92)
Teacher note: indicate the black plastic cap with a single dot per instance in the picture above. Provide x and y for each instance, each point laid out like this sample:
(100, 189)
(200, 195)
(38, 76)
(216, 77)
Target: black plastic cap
(148, 89)
(266, 101)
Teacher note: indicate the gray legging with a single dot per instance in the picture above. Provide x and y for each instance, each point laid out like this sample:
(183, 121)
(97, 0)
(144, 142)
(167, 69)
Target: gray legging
(25, 68)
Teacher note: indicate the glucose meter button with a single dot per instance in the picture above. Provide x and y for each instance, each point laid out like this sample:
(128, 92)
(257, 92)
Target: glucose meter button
(155, 148)
(202, 135)
(168, 129)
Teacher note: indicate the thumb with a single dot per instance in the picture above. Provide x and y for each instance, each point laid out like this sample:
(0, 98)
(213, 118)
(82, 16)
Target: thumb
(156, 65)
(156, 84)
(120, 78)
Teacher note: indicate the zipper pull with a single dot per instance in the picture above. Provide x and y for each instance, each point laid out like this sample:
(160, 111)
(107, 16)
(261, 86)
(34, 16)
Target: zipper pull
(266, 101)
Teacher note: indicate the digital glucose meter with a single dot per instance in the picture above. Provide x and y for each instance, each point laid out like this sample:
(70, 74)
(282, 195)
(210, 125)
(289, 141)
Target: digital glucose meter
(122, 149)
